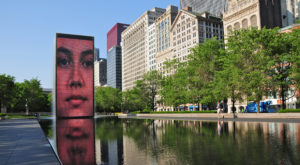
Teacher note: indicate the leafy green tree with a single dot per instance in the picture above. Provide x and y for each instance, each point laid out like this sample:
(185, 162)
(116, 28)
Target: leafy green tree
(295, 38)
(252, 48)
(279, 47)
(31, 98)
(150, 84)
(173, 86)
(108, 99)
(133, 100)
(204, 62)
(7, 90)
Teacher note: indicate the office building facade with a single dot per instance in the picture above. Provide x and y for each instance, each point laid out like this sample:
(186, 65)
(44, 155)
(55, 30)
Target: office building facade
(163, 26)
(252, 13)
(100, 72)
(114, 35)
(135, 48)
(215, 7)
(188, 30)
(114, 67)
(114, 55)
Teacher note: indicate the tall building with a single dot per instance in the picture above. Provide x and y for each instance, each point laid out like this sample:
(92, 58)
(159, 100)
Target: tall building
(96, 54)
(100, 69)
(114, 35)
(188, 30)
(114, 67)
(135, 48)
(252, 13)
(290, 11)
(163, 26)
(151, 37)
(114, 55)
(215, 7)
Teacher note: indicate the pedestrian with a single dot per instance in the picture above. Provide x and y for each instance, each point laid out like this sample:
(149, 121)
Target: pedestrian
(219, 108)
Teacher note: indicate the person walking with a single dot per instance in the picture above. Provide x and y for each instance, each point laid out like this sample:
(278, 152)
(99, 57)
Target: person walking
(219, 108)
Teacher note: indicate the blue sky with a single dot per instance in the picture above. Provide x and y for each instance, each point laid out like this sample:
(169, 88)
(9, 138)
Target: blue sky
(28, 27)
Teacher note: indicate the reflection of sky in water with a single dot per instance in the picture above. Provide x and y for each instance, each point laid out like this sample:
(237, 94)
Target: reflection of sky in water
(132, 141)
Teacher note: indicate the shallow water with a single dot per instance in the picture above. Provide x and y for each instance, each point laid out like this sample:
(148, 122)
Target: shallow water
(145, 141)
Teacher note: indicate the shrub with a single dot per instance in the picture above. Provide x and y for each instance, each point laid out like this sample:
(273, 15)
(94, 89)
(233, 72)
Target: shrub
(2, 114)
(289, 110)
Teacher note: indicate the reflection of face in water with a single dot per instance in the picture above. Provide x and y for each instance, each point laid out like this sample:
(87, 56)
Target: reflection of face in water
(75, 141)
(74, 78)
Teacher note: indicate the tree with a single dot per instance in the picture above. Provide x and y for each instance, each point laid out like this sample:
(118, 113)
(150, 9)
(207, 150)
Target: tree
(150, 85)
(173, 86)
(227, 79)
(251, 48)
(108, 99)
(7, 90)
(295, 38)
(133, 100)
(204, 62)
(279, 47)
(30, 97)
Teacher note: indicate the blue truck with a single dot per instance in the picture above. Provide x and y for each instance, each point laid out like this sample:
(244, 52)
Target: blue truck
(264, 107)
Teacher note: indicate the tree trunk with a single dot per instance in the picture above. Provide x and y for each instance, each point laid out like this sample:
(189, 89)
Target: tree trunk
(194, 106)
(233, 101)
(283, 106)
(257, 106)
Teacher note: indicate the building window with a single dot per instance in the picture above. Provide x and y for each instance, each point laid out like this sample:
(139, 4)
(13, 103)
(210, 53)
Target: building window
(244, 23)
(229, 29)
(237, 26)
(253, 21)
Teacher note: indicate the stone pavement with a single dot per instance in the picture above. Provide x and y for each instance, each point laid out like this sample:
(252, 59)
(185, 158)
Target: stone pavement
(22, 142)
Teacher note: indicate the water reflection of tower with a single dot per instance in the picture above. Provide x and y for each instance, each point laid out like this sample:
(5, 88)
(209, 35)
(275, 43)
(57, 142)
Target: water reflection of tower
(109, 142)
(111, 151)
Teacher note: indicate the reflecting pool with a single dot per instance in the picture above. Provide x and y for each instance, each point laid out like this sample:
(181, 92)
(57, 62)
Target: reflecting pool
(112, 140)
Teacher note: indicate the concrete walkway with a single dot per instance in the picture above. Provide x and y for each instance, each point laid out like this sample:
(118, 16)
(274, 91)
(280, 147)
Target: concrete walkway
(261, 117)
(22, 142)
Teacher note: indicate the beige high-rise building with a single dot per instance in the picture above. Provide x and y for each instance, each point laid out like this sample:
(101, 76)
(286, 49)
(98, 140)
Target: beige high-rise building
(188, 29)
(163, 26)
(191, 28)
(135, 48)
(252, 13)
(151, 38)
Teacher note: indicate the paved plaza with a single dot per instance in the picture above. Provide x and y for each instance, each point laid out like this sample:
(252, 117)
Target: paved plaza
(22, 142)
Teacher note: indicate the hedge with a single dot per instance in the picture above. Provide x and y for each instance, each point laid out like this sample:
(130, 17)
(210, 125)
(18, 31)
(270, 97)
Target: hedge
(164, 112)
(289, 111)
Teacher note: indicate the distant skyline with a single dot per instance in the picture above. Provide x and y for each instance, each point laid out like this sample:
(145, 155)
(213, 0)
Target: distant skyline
(28, 28)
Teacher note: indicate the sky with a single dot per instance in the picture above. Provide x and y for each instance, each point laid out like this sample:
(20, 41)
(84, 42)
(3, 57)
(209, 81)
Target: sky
(28, 28)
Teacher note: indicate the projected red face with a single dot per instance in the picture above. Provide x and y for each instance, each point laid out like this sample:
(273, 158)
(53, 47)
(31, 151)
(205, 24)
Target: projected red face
(74, 78)
(75, 141)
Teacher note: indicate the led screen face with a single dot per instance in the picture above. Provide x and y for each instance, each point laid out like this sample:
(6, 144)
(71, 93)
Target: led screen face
(74, 76)
(75, 141)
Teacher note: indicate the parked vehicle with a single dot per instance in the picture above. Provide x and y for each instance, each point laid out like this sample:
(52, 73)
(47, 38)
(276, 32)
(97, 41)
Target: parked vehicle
(264, 107)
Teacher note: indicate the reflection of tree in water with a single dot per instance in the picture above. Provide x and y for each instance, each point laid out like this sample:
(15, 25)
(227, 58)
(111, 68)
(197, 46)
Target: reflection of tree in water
(46, 126)
(142, 131)
(196, 142)
(109, 128)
